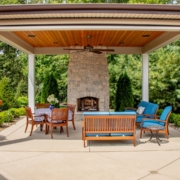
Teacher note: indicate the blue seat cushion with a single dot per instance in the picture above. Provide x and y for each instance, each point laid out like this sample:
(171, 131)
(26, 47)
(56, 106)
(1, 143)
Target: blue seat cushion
(94, 135)
(122, 113)
(121, 134)
(150, 108)
(139, 118)
(150, 123)
(95, 113)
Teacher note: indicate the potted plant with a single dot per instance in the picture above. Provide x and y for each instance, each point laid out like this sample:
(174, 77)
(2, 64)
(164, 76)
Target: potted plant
(52, 100)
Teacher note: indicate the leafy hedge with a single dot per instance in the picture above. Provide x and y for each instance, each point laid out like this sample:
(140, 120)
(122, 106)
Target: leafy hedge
(8, 115)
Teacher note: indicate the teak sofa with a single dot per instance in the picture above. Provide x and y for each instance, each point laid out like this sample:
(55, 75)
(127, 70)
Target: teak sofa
(109, 126)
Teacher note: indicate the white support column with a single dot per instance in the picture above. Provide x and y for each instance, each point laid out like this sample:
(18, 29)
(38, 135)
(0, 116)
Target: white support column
(145, 77)
(31, 81)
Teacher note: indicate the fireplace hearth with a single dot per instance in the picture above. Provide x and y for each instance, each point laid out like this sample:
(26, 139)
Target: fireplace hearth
(88, 104)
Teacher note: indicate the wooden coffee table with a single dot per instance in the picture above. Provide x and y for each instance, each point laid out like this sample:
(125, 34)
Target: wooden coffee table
(156, 130)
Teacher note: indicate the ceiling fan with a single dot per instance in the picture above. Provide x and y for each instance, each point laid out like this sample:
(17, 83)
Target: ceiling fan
(90, 48)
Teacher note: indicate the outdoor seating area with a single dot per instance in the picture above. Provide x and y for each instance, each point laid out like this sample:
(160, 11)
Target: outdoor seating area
(98, 126)
(51, 119)
(41, 153)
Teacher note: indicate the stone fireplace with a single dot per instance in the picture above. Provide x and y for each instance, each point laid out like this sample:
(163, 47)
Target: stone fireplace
(88, 78)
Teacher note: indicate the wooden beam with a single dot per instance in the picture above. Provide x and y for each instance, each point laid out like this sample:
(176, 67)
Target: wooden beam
(117, 50)
(16, 42)
(163, 40)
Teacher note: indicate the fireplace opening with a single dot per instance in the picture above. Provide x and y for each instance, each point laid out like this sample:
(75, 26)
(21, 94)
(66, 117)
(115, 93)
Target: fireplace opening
(88, 104)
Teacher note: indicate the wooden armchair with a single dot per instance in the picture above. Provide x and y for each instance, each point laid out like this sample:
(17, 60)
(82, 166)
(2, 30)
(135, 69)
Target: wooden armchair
(33, 119)
(42, 105)
(162, 121)
(71, 111)
(59, 117)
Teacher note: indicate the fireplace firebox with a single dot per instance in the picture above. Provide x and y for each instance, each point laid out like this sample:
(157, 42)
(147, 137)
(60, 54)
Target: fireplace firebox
(88, 104)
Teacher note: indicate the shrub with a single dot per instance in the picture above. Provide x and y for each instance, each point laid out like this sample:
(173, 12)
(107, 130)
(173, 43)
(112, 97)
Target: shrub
(6, 116)
(6, 93)
(50, 86)
(177, 120)
(1, 119)
(22, 89)
(178, 123)
(124, 95)
(21, 101)
(172, 117)
(159, 112)
(16, 112)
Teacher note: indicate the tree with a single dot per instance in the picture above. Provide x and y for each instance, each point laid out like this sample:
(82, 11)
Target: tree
(10, 64)
(50, 86)
(6, 93)
(124, 95)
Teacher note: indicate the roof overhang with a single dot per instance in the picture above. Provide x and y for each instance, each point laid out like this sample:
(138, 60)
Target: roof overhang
(119, 26)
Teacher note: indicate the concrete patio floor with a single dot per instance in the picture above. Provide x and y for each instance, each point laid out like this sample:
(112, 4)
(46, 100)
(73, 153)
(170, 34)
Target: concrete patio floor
(39, 157)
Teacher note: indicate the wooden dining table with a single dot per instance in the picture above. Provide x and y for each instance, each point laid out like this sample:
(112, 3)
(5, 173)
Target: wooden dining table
(47, 113)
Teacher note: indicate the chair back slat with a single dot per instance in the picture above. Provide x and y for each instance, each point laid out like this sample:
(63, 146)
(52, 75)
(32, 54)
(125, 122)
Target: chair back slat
(29, 113)
(59, 114)
(111, 124)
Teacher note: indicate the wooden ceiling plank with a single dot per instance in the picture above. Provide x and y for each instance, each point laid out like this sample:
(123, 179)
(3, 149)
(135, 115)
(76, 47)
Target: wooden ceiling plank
(114, 38)
(61, 38)
(42, 39)
(106, 38)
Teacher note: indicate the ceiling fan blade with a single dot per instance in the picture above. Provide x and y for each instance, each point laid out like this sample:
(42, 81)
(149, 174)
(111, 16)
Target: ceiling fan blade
(73, 49)
(112, 50)
(77, 51)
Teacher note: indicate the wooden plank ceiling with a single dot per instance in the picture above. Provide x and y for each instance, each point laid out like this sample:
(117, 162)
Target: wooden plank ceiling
(79, 38)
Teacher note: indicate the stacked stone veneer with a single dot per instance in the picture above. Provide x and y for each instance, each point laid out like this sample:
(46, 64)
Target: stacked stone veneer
(88, 76)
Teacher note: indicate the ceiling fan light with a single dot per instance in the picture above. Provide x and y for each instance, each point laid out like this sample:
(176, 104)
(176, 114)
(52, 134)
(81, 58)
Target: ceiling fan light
(31, 35)
(145, 35)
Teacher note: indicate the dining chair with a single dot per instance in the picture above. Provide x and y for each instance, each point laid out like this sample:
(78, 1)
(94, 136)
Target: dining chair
(58, 118)
(162, 121)
(42, 105)
(33, 119)
(71, 110)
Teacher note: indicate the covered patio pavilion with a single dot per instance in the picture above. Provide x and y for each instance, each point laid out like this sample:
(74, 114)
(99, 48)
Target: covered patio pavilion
(126, 28)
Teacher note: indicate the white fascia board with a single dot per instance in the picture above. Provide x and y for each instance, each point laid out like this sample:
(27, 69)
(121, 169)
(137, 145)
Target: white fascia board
(117, 50)
(161, 41)
(13, 40)
(89, 27)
